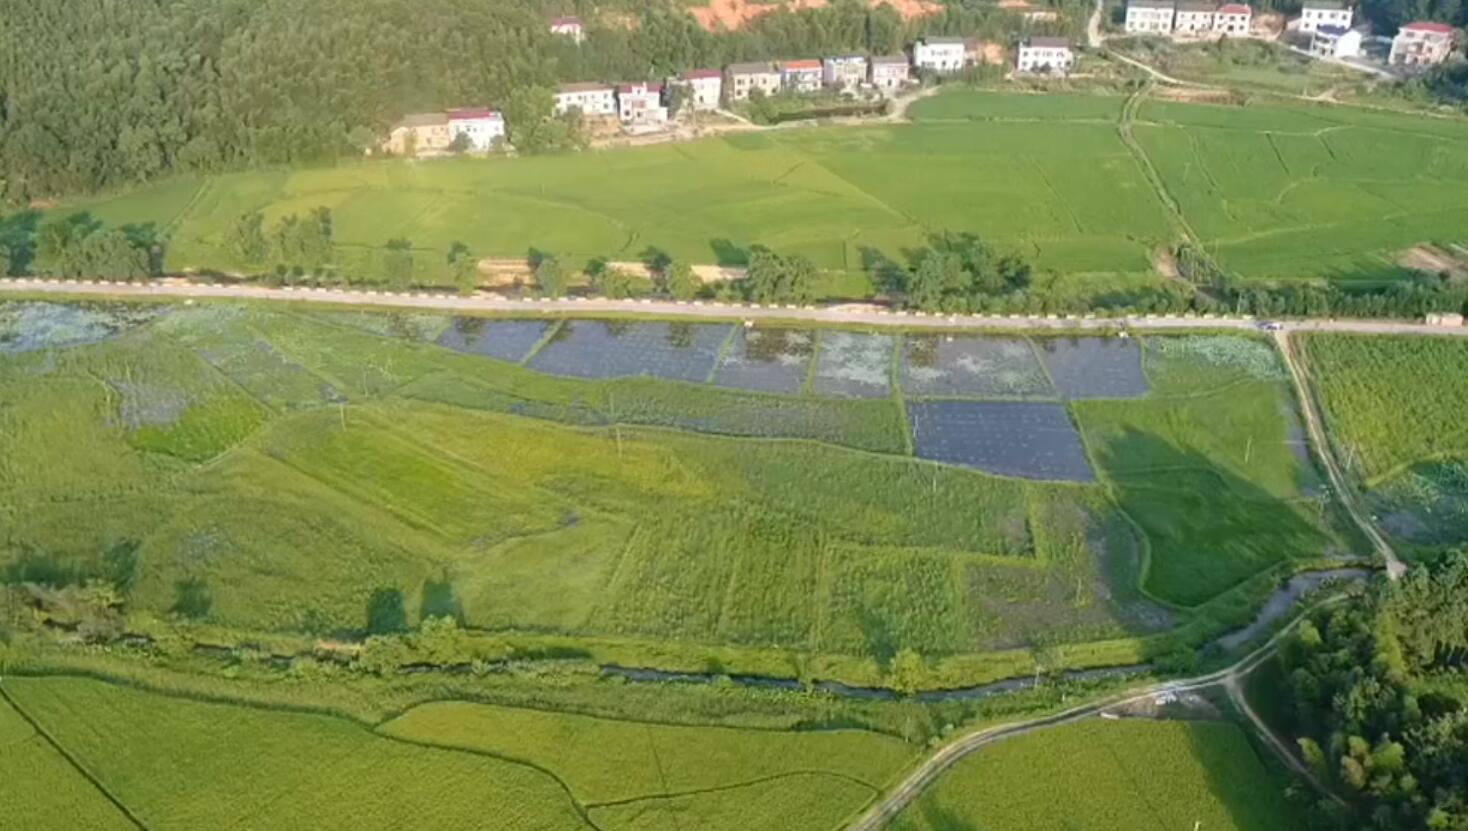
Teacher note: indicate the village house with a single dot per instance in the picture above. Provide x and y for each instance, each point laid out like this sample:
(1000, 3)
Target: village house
(1317, 13)
(569, 27)
(801, 75)
(641, 105)
(889, 72)
(481, 128)
(1149, 17)
(1232, 19)
(745, 78)
(1421, 44)
(1194, 17)
(1335, 42)
(703, 88)
(420, 134)
(942, 55)
(593, 100)
(844, 72)
(1044, 54)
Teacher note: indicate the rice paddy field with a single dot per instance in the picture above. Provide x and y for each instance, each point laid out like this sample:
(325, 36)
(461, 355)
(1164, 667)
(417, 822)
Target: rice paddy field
(179, 763)
(1110, 776)
(1394, 411)
(1275, 192)
(707, 487)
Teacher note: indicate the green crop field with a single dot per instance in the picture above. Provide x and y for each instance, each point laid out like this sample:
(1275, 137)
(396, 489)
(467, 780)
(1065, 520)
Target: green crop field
(1109, 776)
(40, 789)
(180, 763)
(289, 464)
(1216, 455)
(1274, 191)
(636, 775)
(1393, 406)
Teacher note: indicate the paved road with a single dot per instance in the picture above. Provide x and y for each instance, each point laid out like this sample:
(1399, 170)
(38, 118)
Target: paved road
(1314, 425)
(880, 814)
(1094, 38)
(865, 315)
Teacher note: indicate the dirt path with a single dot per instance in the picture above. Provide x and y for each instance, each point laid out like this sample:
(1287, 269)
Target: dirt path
(864, 315)
(1348, 496)
(1094, 38)
(1235, 688)
(880, 814)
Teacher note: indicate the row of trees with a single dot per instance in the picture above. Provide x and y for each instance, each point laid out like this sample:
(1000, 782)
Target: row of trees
(1368, 695)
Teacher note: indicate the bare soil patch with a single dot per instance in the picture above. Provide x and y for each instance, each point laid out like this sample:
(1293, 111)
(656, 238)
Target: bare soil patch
(1433, 260)
(731, 15)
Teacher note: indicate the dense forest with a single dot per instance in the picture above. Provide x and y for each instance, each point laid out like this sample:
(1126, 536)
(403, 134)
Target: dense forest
(105, 93)
(1378, 698)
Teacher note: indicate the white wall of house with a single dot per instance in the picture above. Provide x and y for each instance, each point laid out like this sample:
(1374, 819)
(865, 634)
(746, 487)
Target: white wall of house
(1313, 18)
(480, 131)
(1054, 59)
(938, 56)
(1144, 20)
(1415, 47)
(1194, 20)
(741, 84)
(1325, 45)
(601, 101)
(703, 92)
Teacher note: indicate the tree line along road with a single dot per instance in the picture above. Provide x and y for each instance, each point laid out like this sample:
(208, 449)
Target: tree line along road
(841, 315)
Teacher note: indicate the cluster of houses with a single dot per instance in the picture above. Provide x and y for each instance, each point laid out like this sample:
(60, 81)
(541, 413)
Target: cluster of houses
(1187, 18)
(1326, 22)
(643, 106)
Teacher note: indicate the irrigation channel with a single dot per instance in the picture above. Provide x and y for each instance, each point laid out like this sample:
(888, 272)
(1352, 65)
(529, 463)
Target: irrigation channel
(1275, 607)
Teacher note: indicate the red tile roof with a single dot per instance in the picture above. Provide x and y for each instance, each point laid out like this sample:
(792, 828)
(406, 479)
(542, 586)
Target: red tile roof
(1424, 26)
(1234, 8)
(651, 88)
(565, 21)
(800, 64)
(469, 113)
(695, 74)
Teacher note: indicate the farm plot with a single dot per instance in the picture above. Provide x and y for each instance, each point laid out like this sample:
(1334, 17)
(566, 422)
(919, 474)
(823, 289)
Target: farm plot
(972, 367)
(1094, 367)
(614, 349)
(182, 764)
(40, 789)
(767, 359)
(505, 340)
(29, 326)
(1031, 440)
(1132, 775)
(853, 365)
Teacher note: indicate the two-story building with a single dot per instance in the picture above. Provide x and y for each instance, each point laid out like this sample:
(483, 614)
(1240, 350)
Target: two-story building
(481, 128)
(1421, 44)
(801, 75)
(1050, 55)
(1232, 19)
(943, 55)
(844, 72)
(1317, 13)
(889, 73)
(568, 27)
(592, 100)
(641, 104)
(1194, 17)
(1335, 42)
(703, 89)
(1149, 17)
(745, 78)
(420, 134)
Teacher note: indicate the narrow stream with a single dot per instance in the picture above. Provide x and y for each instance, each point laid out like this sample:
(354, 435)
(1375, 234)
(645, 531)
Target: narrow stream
(1276, 607)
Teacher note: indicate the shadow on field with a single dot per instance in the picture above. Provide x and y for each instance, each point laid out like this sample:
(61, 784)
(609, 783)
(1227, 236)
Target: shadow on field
(727, 254)
(1209, 528)
(1226, 767)
(938, 818)
(18, 237)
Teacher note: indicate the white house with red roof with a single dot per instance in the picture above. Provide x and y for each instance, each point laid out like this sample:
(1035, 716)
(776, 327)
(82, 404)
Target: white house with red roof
(641, 104)
(1232, 19)
(800, 75)
(704, 88)
(481, 127)
(1421, 44)
(568, 27)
